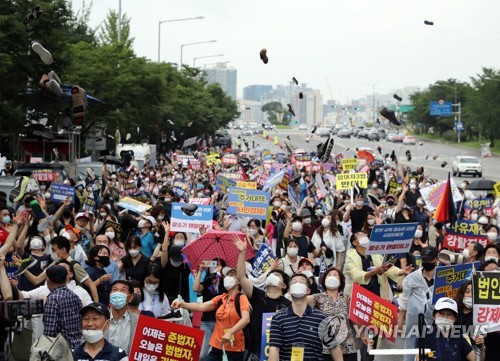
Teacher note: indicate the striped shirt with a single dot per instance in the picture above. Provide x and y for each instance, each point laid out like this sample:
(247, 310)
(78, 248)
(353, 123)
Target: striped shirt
(288, 329)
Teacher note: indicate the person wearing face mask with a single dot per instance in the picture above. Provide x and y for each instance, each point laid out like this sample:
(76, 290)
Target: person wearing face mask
(308, 226)
(5, 223)
(357, 213)
(95, 323)
(371, 219)
(421, 215)
(293, 230)
(147, 239)
(328, 238)
(81, 222)
(288, 332)
(492, 252)
(133, 265)
(306, 267)
(440, 339)
(232, 316)
(35, 260)
(418, 288)
(76, 252)
(152, 286)
(276, 202)
(492, 233)
(473, 252)
(210, 287)
(305, 183)
(290, 262)
(334, 302)
(463, 298)
(98, 260)
(270, 300)
(116, 246)
(412, 193)
(467, 193)
(254, 231)
(122, 322)
(61, 311)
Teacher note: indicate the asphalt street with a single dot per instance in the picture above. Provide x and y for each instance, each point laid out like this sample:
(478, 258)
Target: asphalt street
(422, 155)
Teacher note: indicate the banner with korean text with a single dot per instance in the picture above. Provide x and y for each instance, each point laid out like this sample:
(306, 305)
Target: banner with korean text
(346, 181)
(248, 202)
(181, 222)
(448, 279)
(391, 238)
(486, 300)
(461, 233)
(266, 335)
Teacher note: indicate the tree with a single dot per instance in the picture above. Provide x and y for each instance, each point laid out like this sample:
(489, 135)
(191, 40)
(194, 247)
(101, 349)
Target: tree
(108, 34)
(273, 110)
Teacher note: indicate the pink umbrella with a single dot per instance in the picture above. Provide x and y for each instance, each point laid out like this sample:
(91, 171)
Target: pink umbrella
(216, 244)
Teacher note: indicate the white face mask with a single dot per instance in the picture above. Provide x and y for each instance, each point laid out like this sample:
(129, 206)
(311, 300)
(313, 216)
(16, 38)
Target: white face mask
(292, 251)
(363, 241)
(277, 204)
(273, 280)
(325, 222)
(55, 257)
(150, 287)
(298, 290)
(468, 302)
(419, 233)
(420, 202)
(229, 282)
(134, 252)
(283, 207)
(297, 226)
(307, 220)
(492, 236)
(93, 336)
(308, 273)
(466, 253)
(103, 214)
(110, 235)
(413, 186)
(161, 218)
(359, 203)
(252, 231)
(370, 222)
(332, 282)
(444, 323)
(473, 216)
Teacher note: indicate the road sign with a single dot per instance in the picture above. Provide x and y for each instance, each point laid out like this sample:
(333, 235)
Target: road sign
(460, 126)
(403, 108)
(441, 109)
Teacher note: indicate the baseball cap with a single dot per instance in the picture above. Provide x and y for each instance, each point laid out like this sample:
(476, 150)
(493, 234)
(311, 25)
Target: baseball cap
(446, 303)
(151, 219)
(76, 231)
(36, 243)
(82, 215)
(304, 260)
(96, 306)
(429, 253)
(226, 270)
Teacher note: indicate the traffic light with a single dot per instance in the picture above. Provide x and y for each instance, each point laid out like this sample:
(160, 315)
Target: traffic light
(356, 108)
(334, 106)
(344, 108)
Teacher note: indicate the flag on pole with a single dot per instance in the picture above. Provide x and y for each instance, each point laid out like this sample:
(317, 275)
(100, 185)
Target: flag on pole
(445, 211)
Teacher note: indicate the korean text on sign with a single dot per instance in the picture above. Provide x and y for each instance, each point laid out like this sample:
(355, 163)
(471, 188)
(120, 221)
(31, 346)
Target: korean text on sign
(347, 181)
(486, 295)
(248, 202)
(448, 279)
(461, 233)
(266, 336)
(349, 163)
(157, 340)
(371, 310)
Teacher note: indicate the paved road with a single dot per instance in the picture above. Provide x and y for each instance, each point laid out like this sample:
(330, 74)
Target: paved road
(445, 152)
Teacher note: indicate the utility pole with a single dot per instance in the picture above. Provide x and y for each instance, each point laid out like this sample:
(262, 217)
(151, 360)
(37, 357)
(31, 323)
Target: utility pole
(119, 22)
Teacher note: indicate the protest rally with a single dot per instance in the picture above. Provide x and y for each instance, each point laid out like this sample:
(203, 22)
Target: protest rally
(203, 227)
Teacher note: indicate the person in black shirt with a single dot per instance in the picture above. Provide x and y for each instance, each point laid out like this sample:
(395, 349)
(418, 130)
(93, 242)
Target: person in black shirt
(272, 300)
(98, 259)
(293, 230)
(134, 263)
(357, 213)
(210, 287)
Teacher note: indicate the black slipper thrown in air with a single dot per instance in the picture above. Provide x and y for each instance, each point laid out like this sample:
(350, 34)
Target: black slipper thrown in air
(390, 116)
(33, 15)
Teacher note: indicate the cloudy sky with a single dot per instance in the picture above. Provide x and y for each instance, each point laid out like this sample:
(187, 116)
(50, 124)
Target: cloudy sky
(348, 42)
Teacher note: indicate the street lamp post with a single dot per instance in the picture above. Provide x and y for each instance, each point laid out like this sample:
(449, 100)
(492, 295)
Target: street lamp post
(196, 43)
(373, 97)
(171, 21)
(204, 57)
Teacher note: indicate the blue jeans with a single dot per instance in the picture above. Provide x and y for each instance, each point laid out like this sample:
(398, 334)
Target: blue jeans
(208, 327)
(217, 355)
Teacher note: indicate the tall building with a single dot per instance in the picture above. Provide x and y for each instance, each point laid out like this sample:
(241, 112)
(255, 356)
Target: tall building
(309, 109)
(225, 76)
(257, 93)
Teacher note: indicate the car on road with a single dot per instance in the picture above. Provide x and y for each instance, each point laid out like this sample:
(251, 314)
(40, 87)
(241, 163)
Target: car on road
(335, 131)
(358, 129)
(390, 136)
(303, 127)
(362, 134)
(409, 140)
(467, 165)
(247, 133)
(344, 133)
(222, 139)
(398, 138)
(373, 135)
(258, 131)
(323, 132)
(381, 132)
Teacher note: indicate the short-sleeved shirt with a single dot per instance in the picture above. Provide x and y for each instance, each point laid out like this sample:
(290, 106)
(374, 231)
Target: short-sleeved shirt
(305, 245)
(104, 287)
(137, 271)
(288, 329)
(358, 217)
(447, 348)
(226, 317)
(80, 274)
(104, 355)
(261, 304)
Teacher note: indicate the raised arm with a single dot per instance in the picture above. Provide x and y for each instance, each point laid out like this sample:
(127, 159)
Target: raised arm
(9, 242)
(245, 283)
(4, 281)
(166, 243)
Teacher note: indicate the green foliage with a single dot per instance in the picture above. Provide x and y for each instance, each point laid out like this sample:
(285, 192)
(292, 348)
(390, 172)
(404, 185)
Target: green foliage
(275, 112)
(109, 30)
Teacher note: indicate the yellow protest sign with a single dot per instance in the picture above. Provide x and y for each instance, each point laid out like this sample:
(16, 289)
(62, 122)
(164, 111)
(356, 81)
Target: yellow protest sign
(496, 186)
(246, 184)
(349, 163)
(347, 180)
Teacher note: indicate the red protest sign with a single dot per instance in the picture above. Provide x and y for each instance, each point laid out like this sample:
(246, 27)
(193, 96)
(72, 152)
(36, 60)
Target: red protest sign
(368, 309)
(159, 340)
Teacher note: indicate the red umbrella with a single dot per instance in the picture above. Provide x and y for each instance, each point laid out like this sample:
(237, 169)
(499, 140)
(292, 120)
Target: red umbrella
(366, 155)
(216, 244)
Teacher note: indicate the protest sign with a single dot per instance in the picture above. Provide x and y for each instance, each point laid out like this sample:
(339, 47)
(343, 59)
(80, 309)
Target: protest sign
(130, 188)
(368, 309)
(480, 204)
(284, 182)
(461, 233)
(223, 183)
(181, 222)
(486, 291)
(394, 187)
(232, 175)
(248, 202)
(307, 165)
(46, 175)
(229, 159)
(266, 335)
(117, 227)
(433, 194)
(321, 186)
(89, 204)
(246, 184)
(261, 178)
(156, 339)
(273, 180)
(205, 200)
(292, 196)
(262, 260)
(346, 181)
(391, 238)
(133, 205)
(448, 279)
(59, 192)
(316, 167)
(304, 157)
(349, 163)
(328, 167)
(180, 189)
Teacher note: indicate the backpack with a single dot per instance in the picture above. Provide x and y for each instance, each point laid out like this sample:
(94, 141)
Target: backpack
(51, 349)
(246, 330)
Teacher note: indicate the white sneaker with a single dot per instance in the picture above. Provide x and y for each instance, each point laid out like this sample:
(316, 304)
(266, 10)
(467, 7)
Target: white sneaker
(44, 54)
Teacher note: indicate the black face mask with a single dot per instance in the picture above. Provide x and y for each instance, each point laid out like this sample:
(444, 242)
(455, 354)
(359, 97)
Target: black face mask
(104, 260)
(67, 214)
(428, 266)
(135, 300)
(391, 203)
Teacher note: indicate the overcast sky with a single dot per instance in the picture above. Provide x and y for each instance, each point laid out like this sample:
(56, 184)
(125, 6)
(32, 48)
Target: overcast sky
(347, 41)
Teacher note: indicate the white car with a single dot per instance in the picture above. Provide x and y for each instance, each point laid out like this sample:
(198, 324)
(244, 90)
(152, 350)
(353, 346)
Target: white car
(303, 127)
(467, 165)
